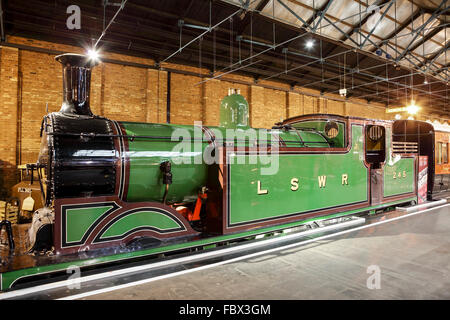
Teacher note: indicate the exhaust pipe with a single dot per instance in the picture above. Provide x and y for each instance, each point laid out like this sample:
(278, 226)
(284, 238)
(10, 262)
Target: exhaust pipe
(76, 83)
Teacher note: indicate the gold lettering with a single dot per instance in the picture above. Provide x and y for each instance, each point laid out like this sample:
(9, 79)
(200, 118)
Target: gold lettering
(322, 181)
(345, 179)
(400, 174)
(294, 184)
(261, 191)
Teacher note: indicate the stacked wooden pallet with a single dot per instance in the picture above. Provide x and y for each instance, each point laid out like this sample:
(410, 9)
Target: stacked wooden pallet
(11, 214)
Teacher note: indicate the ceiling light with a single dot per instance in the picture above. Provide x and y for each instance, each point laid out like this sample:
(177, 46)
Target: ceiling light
(398, 116)
(310, 44)
(93, 54)
(412, 108)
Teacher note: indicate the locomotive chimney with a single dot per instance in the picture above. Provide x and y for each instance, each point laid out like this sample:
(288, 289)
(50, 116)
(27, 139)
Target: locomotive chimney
(76, 83)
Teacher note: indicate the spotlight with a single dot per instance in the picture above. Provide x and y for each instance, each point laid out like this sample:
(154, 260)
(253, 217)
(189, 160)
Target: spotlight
(309, 44)
(425, 81)
(412, 108)
(343, 92)
(93, 55)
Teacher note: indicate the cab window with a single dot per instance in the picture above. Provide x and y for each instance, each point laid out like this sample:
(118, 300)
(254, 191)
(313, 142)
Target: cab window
(333, 131)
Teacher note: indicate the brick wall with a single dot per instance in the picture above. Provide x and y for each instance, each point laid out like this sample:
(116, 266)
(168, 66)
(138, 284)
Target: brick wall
(29, 80)
(9, 65)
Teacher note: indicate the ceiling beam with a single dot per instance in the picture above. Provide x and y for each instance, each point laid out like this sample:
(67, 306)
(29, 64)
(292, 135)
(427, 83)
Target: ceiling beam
(356, 27)
(247, 19)
(402, 27)
(321, 13)
(429, 61)
(418, 31)
(428, 36)
(377, 23)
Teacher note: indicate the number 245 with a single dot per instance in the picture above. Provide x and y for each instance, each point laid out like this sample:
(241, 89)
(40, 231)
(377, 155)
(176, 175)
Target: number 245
(399, 174)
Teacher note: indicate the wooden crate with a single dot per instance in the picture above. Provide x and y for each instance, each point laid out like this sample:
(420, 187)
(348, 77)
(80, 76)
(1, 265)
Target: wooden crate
(11, 214)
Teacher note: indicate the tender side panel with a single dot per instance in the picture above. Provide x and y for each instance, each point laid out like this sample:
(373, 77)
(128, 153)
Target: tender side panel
(399, 176)
(399, 172)
(298, 183)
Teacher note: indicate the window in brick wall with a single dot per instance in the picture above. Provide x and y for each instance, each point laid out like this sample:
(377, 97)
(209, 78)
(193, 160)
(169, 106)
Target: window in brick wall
(442, 153)
(445, 153)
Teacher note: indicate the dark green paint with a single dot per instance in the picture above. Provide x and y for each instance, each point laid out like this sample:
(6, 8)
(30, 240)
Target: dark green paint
(399, 173)
(140, 219)
(247, 205)
(79, 220)
(185, 149)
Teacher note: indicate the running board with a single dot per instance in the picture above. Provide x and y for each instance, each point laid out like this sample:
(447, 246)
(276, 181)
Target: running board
(422, 206)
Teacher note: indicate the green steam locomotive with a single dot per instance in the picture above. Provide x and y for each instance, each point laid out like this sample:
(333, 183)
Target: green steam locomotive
(116, 190)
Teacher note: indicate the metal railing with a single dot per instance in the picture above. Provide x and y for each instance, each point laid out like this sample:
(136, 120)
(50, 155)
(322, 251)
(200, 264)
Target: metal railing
(400, 147)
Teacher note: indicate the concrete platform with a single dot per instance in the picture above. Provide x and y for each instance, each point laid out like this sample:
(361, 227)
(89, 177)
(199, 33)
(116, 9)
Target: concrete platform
(412, 255)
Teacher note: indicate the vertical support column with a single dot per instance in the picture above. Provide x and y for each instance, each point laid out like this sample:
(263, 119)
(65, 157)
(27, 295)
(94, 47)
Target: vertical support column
(9, 90)
(203, 102)
(345, 108)
(256, 106)
(309, 105)
(148, 94)
(294, 105)
(156, 96)
(322, 105)
(213, 94)
(169, 81)
(98, 89)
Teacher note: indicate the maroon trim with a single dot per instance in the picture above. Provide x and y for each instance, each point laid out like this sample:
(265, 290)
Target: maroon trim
(223, 155)
(208, 132)
(126, 160)
(118, 157)
(298, 217)
(319, 116)
(282, 143)
(125, 206)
